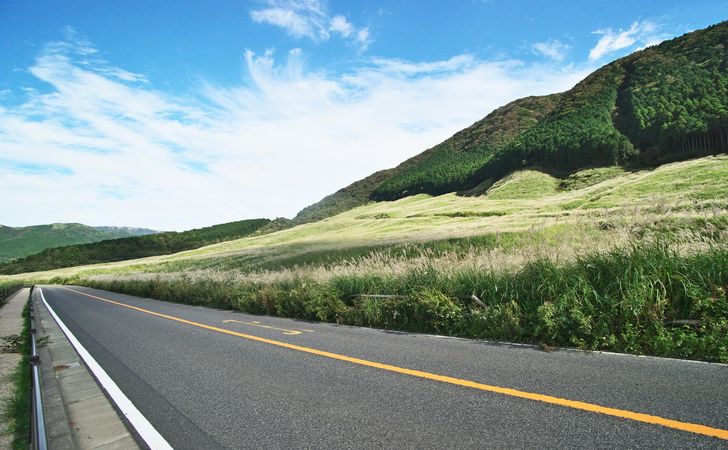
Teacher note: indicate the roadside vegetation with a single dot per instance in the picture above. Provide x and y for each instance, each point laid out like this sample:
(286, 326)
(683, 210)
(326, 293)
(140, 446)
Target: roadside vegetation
(657, 298)
(655, 286)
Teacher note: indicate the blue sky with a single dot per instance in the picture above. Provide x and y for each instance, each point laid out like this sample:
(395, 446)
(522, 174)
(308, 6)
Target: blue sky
(174, 115)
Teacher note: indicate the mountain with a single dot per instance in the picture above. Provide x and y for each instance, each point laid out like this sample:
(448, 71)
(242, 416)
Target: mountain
(356, 194)
(664, 103)
(23, 241)
(127, 231)
(132, 247)
(461, 149)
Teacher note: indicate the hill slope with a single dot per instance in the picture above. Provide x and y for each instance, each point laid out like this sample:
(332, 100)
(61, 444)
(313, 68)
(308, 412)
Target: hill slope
(23, 241)
(428, 171)
(592, 208)
(132, 247)
(661, 104)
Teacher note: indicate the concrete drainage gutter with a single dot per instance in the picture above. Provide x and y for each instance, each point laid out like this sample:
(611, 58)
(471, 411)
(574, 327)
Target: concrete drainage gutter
(77, 412)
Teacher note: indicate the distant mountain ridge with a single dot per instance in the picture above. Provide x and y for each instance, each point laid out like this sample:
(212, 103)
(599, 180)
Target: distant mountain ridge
(664, 103)
(18, 242)
(129, 231)
(133, 247)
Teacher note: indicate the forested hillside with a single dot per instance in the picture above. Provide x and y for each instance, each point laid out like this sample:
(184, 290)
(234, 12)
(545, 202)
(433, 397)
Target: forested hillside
(132, 247)
(675, 96)
(17, 242)
(665, 103)
(447, 167)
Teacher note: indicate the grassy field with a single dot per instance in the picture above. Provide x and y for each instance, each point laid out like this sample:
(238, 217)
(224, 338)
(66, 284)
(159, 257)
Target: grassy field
(528, 207)
(604, 259)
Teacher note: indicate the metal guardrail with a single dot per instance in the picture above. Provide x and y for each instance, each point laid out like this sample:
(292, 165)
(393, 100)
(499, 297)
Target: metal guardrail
(38, 437)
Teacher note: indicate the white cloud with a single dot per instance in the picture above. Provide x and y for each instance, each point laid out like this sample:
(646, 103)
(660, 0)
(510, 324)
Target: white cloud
(340, 25)
(310, 19)
(101, 149)
(553, 49)
(645, 33)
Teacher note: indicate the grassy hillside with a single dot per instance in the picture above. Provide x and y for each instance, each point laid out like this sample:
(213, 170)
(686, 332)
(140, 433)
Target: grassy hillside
(523, 201)
(132, 247)
(574, 213)
(603, 259)
(23, 241)
(661, 104)
(350, 197)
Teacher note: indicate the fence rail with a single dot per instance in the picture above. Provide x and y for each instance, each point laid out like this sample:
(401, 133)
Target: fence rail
(8, 290)
(38, 437)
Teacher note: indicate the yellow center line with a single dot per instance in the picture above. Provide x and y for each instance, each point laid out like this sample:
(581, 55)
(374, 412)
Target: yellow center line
(258, 324)
(621, 413)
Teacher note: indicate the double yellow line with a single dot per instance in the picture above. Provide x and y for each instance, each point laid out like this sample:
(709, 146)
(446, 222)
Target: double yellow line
(621, 413)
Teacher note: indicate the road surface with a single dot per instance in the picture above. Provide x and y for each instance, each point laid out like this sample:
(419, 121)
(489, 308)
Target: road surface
(206, 378)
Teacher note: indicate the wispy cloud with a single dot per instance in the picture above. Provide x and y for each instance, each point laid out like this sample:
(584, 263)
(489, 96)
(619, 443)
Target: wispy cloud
(409, 68)
(129, 154)
(86, 55)
(310, 19)
(34, 168)
(363, 38)
(644, 33)
(552, 49)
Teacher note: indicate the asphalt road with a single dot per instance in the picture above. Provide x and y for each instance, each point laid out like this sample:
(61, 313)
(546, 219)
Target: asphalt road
(203, 389)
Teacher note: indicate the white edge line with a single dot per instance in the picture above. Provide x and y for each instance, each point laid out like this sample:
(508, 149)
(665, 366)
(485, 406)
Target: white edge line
(140, 423)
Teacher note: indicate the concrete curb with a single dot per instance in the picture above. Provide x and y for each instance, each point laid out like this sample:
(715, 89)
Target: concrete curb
(57, 427)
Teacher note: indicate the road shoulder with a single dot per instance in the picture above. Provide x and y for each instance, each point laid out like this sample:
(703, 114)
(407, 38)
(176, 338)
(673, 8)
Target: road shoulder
(78, 412)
